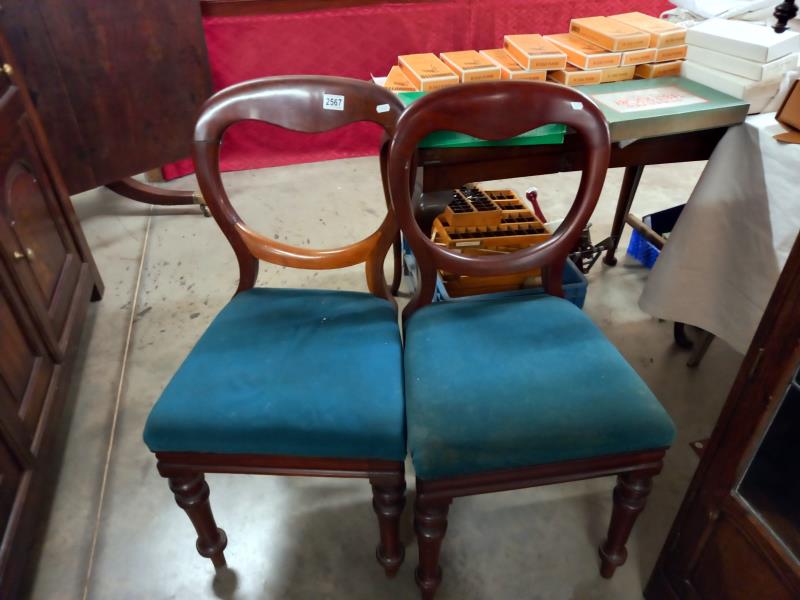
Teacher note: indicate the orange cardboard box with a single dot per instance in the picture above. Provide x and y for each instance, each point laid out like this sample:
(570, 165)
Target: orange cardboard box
(665, 69)
(662, 33)
(509, 68)
(397, 81)
(638, 57)
(609, 34)
(617, 74)
(583, 54)
(426, 72)
(534, 53)
(573, 76)
(788, 115)
(671, 53)
(471, 66)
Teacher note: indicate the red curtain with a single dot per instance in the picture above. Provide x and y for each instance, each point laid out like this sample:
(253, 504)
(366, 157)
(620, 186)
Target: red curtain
(357, 42)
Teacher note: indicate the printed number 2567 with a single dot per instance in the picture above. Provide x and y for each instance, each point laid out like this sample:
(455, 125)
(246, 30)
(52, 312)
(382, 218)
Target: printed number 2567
(333, 102)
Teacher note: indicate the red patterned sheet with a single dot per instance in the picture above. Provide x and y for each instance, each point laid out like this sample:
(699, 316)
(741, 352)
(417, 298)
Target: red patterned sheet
(358, 42)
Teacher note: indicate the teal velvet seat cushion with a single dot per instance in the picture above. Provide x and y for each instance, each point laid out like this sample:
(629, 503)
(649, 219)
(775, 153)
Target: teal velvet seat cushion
(309, 373)
(499, 384)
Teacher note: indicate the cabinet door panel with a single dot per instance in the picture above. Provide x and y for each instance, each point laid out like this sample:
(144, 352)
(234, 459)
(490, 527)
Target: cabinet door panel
(33, 236)
(731, 568)
(10, 476)
(18, 359)
(35, 230)
(25, 368)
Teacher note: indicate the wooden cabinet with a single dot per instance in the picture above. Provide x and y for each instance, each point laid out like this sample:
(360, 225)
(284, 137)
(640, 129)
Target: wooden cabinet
(44, 259)
(25, 370)
(47, 277)
(737, 534)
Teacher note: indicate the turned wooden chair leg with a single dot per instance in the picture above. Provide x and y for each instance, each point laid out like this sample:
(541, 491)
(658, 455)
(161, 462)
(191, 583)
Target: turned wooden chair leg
(630, 496)
(191, 494)
(388, 500)
(430, 523)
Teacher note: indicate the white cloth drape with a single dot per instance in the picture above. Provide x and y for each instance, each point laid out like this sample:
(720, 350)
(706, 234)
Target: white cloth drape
(725, 9)
(723, 258)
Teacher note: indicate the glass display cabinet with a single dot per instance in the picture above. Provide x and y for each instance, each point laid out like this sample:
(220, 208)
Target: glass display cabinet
(737, 534)
(771, 484)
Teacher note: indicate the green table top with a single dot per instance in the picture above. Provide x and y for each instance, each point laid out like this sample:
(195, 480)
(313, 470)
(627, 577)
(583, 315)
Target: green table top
(549, 134)
(624, 104)
(715, 110)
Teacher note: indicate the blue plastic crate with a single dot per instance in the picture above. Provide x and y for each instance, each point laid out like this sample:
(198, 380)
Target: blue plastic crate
(662, 223)
(575, 284)
(642, 250)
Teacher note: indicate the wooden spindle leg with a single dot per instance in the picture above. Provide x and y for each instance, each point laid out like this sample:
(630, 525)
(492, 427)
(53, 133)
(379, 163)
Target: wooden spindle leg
(191, 494)
(388, 500)
(430, 523)
(630, 183)
(630, 496)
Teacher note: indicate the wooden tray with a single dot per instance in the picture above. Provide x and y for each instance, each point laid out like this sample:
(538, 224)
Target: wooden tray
(471, 207)
(512, 227)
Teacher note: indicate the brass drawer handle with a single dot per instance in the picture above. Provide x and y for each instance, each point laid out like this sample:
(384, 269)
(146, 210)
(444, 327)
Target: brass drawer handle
(8, 69)
(27, 254)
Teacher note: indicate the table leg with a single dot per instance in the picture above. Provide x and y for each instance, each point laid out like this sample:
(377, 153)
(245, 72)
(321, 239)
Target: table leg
(679, 333)
(700, 349)
(149, 194)
(626, 193)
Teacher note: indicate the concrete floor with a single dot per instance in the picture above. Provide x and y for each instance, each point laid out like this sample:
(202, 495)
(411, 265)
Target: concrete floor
(115, 531)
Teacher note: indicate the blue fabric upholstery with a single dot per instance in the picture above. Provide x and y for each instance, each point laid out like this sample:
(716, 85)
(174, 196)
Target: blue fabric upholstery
(520, 382)
(290, 372)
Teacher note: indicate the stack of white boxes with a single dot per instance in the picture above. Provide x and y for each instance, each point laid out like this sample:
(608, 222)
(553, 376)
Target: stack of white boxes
(741, 59)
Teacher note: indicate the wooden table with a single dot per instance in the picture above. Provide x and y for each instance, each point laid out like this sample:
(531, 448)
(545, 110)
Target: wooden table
(670, 133)
(118, 85)
(447, 168)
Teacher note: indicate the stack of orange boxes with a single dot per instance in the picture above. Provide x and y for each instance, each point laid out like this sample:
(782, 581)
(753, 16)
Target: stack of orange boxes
(601, 50)
(667, 41)
(427, 72)
(596, 50)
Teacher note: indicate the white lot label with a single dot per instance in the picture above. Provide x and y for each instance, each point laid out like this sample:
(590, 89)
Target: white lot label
(332, 102)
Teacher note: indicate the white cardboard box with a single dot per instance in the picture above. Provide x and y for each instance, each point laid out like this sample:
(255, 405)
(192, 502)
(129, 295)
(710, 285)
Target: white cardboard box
(743, 39)
(741, 66)
(727, 83)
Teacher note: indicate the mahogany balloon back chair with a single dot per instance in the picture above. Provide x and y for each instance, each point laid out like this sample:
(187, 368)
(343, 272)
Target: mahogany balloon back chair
(521, 391)
(289, 381)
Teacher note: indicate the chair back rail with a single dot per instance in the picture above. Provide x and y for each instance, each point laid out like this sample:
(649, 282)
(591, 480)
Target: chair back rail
(307, 104)
(495, 111)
